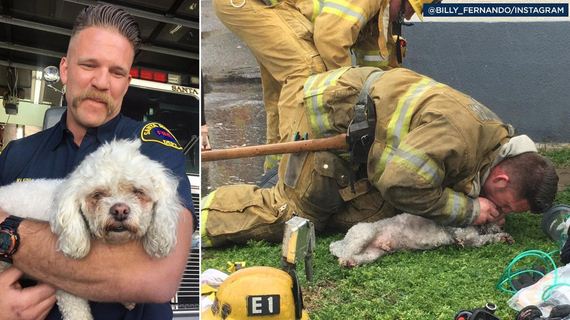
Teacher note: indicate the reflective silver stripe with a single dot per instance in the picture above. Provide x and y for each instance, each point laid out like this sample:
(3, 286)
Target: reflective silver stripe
(313, 92)
(419, 163)
(456, 204)
(370, 80)
(345, 10)
(398, 126)
(368, 55)
(371, 58)
(404, 115)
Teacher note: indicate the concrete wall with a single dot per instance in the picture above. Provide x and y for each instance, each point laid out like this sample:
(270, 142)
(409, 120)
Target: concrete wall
(519, 70)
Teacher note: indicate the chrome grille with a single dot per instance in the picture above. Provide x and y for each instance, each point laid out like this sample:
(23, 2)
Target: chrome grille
(187, 297)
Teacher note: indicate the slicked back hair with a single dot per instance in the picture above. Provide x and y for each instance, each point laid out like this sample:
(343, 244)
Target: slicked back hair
(108, 16)
(533, 178)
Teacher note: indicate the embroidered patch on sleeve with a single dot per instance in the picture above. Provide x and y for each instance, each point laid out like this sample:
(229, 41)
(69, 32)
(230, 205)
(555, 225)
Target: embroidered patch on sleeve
(156, 132)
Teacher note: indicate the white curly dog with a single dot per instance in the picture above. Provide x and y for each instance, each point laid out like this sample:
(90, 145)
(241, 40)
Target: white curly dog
(368, 241)
(116, 194)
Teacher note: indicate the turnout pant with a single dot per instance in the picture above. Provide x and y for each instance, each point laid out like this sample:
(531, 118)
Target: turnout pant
(238, 213)
(280, 38)
(312, 185)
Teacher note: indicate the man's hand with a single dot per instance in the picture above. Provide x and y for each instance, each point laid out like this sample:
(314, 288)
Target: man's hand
(17, 303)
(204, 139)
(488, 212)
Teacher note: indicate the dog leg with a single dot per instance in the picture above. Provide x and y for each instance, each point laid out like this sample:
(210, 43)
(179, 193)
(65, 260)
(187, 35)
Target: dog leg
(470, 237)
(73, 307)
(490, 238)
(361, 244)
(367, 256)
(356, 239)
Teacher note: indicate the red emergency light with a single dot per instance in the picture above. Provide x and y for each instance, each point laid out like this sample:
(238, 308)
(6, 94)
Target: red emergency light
(134, 72)
(160, 76)
(148, 74)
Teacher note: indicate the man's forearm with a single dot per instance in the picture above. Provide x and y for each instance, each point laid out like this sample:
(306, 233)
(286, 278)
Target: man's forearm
(109, 272)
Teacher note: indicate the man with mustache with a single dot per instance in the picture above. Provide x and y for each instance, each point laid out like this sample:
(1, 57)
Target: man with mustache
(96, 74)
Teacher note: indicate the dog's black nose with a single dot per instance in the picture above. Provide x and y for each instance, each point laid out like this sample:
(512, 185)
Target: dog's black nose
(120, 211)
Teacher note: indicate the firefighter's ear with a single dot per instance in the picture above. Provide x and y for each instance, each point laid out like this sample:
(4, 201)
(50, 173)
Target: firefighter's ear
(501, 180)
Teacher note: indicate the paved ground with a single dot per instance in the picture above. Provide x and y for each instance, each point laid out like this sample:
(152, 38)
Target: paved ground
(223, 56)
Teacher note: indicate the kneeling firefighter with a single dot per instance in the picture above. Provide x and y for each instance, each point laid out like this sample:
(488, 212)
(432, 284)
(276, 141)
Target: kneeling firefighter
(435, 152)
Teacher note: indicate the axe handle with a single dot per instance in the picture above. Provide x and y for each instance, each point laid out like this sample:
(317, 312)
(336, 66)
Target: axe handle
(337, 142)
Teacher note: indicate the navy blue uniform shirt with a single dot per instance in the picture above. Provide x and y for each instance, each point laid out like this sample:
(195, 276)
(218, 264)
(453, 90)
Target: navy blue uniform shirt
(53, 154)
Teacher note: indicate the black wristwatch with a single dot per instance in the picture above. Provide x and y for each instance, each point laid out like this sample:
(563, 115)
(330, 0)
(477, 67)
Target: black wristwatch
(9, 238)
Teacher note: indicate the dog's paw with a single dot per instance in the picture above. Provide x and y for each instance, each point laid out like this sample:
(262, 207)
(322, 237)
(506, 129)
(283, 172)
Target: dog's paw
(459, 242)
(347, 263)
(388, 247)
(129, 305)
(507, 238)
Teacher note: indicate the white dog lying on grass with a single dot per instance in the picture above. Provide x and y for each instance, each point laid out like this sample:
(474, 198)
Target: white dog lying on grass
(116, 194)
(367, 241)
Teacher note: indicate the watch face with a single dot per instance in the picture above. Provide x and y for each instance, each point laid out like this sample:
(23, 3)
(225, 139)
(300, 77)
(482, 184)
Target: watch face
(5, 242)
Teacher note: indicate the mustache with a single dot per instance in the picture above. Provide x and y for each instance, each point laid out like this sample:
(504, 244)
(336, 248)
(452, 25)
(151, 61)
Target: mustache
(94, 95)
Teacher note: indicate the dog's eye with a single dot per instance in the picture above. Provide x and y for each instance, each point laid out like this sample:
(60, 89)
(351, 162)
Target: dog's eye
(139, 192)
(97, 195)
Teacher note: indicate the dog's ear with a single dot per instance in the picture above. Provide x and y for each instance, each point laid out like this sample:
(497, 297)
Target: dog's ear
(160, 237)
(68, 223)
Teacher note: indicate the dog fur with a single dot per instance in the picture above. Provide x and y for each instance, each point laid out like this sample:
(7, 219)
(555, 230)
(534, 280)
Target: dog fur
(368, 241)
(116, 194)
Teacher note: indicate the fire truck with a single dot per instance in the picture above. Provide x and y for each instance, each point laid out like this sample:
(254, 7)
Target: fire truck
(176, 106)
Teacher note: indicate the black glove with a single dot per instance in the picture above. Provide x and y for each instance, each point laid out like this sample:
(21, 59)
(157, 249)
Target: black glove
(533, 313)
(486, 313)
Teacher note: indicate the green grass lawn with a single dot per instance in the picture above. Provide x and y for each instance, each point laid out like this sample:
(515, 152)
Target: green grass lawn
(407, 285)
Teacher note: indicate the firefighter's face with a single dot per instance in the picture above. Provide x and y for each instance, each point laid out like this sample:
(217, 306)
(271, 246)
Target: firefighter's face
(96, 74)
(507, 202)
(498, 189)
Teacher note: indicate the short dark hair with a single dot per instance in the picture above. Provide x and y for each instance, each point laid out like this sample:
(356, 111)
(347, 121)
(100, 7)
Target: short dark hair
(104, 15)
(533, 178)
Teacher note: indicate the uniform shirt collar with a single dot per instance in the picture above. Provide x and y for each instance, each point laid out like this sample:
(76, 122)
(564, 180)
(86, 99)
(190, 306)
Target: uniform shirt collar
(105, 132)
(102, 133)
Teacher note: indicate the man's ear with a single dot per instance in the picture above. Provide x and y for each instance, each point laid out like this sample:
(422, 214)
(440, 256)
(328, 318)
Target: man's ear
(501, 180)
(63, 70)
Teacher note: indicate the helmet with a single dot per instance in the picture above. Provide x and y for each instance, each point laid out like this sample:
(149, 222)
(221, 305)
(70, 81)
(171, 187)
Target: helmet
(258, 291)
(418, 6)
